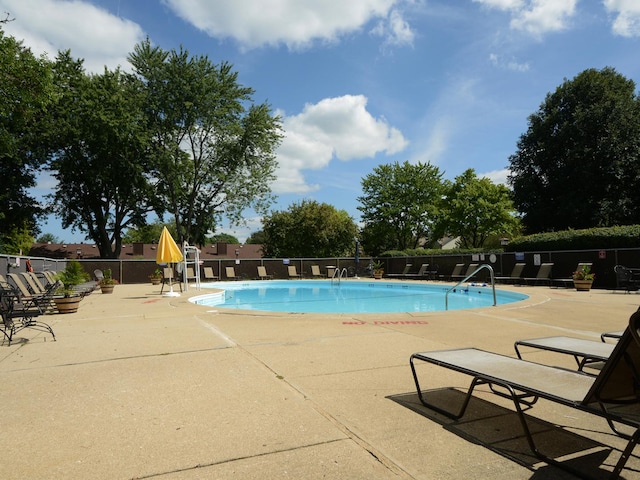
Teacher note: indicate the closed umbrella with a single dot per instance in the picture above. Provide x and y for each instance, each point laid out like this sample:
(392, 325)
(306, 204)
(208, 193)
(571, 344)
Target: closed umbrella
(168, 253)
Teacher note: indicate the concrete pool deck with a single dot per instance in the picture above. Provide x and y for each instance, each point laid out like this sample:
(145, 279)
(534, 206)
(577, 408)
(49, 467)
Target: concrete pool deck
(143, 386)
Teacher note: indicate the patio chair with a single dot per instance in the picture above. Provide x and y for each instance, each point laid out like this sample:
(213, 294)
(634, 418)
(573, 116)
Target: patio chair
(33, 283)
(262, 273)
(568, 282)
(627, 279)
(405, 271)
(457, 271)
(231, 273)
(612, 335)
(470, 269)
(293, 273)
(18, 312)
(543, 276)
(525, 382)
(315, 271)
(16, 281)
(168, 278)
(583, 351)
(209, 274)
(423, 272)
(98, 275)
(515, 275)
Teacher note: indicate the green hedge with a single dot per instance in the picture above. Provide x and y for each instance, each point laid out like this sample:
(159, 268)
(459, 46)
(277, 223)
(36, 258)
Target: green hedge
(627, 236)
(588, 239)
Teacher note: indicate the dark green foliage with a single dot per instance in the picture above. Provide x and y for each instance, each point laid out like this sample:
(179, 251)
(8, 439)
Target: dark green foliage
(73, 274)
(100, 154)
(399, 205)
(309, 229)
(213, 149)
(577, 165)
(475, 209)
(586, 239)
(25, 93)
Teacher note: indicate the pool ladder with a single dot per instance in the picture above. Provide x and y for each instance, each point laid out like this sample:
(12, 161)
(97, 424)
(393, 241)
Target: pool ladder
(337, 275)
(481, 267)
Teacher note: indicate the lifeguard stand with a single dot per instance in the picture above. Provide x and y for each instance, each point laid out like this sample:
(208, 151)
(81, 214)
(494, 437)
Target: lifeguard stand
(191, 265)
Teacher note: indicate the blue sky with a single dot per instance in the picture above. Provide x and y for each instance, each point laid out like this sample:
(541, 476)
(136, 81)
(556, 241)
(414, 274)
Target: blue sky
(360, 83)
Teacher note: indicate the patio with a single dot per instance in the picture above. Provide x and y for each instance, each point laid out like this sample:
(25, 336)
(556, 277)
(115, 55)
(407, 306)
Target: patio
(142, 386)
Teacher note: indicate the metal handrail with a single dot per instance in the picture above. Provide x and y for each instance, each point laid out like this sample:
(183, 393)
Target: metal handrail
(493, 284)
(339, 273)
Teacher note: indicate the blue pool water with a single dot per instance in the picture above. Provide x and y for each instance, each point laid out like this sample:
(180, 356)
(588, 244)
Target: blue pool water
(323, 296)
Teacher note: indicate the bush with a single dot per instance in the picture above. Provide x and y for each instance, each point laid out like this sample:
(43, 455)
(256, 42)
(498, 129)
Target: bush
(627, 236)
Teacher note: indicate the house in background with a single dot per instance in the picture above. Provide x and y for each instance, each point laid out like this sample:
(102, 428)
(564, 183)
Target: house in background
(141, 251)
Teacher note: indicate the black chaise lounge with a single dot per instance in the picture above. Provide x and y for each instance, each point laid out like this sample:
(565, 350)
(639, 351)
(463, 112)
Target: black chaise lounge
(618, 383)
(583, 351)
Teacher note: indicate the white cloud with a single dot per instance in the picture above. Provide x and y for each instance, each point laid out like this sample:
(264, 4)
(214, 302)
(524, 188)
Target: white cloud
(295, 23)
(536, 17)
(513, 65)
(395, 30)
(338, 127)
(92, 33)
(497, 176)
(627, 21)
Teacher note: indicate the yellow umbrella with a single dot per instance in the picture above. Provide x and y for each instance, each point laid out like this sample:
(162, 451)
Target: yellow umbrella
(168, 252)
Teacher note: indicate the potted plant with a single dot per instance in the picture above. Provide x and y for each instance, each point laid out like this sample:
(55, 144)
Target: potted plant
(107, 283)
(67, 298)
(378, 270)
(156, 277)
(583, 279)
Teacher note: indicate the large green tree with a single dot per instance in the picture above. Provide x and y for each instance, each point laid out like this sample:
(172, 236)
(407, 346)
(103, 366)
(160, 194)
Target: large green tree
(25, 93)
(100, 154)
(399, 205)
(309, 229)
(577, 165)
(476, 208)
(214, 148)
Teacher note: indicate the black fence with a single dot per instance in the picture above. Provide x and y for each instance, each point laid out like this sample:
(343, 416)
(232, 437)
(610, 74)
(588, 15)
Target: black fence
(440, 266)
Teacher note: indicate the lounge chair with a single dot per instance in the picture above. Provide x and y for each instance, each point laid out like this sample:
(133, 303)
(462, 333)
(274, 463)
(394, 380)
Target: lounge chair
(98, 275)
(262, 273)
(525, 382)
(405, 271)
(470, 269)
(457, 271)
(18, 312)
(515, 275)
(209, 274)
(231, 273)
(422, 272)
(583, 351)
(293, 273)
(627, 279)
(33, 283)
(315, 271)
(568, 282)
(612, 335)
(168, 278)
(543, 276)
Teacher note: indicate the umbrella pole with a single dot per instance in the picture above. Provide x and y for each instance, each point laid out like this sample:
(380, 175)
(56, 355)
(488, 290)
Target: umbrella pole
(171, 293)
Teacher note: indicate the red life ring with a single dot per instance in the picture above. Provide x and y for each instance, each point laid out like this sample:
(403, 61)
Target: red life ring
(28, 265)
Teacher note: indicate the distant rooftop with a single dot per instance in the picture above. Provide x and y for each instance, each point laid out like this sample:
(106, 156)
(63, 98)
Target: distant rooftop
(141, 250)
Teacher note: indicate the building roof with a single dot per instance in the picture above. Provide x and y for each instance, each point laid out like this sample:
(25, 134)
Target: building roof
(141, 250)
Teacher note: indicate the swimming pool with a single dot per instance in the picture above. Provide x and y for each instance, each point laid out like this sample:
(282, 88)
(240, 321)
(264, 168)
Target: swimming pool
(323, 296)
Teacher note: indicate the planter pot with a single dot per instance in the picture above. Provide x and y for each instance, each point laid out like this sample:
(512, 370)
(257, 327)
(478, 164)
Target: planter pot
(378, 274)
(67, 304)
(582, 285)
(107, 288)
(155, 281)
